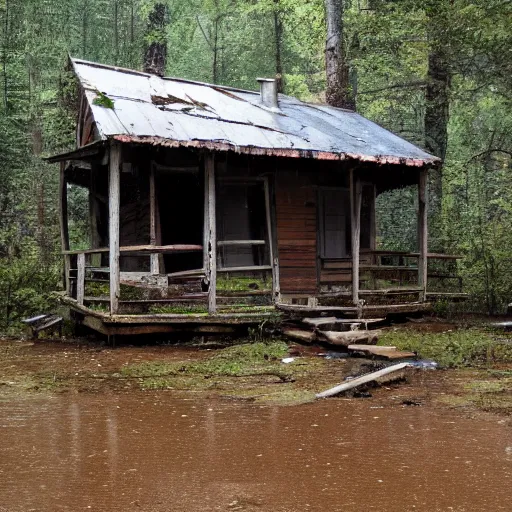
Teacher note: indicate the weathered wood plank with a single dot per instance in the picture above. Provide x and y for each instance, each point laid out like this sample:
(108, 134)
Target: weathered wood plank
(154, 258)
(113, 223)
(228, 243)
(210, 230)
(355, 200)
(346, 386)
(80, 282)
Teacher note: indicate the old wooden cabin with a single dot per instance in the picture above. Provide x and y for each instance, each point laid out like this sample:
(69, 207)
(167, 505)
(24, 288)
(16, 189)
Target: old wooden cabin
(212, 206)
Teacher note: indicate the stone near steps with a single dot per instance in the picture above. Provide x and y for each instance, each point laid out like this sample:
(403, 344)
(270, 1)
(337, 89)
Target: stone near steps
(350, 337)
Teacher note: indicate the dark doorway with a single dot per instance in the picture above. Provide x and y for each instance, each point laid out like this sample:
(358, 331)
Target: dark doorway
(181, 207)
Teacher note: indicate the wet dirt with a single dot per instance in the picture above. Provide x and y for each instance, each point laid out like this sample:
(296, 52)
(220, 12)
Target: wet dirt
(155, 452)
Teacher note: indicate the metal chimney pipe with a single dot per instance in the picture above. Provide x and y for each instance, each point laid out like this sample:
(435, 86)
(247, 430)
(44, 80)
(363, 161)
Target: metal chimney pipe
(268, 92)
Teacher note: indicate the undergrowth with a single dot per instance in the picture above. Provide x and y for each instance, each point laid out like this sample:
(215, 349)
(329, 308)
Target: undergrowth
(237, 361)
(454, 348)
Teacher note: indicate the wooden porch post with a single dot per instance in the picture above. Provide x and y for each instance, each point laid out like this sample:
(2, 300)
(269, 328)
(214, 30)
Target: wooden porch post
(64, 231)
(113, 224)
(210, 232)
(355, 224)
(422, 235)
(155, 258)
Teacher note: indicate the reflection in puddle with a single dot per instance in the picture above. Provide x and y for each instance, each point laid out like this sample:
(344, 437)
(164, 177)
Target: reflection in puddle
(157, 453)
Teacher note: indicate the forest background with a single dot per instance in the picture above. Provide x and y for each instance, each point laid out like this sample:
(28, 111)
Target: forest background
(436, 72)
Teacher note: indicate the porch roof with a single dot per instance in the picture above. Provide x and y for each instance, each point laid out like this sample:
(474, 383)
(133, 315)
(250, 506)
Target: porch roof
(175, 112)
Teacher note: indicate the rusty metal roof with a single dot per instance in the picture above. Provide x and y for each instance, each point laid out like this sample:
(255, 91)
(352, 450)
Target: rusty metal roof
(175, 112)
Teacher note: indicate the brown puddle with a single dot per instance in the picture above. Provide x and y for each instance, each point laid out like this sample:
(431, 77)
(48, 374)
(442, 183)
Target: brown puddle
(153, 452)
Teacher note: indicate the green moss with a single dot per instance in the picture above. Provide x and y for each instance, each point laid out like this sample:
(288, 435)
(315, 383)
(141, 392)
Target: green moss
(241, 284)
(240, 360)
(102, 100)
(180, 309)
(453, 348)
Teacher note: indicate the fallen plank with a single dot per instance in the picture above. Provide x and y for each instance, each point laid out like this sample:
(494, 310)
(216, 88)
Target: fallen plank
(300, 335)
(386, 352)
(362, 380)
(348, 338)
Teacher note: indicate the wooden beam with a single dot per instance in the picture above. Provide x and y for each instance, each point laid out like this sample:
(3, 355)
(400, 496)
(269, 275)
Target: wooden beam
(113, 224)
(210, 232)
(355, 224)
(362, 380)
(228, 243)
(274, 261)
(155, 260)
(422, 234)
(80, 281)
(63, 218)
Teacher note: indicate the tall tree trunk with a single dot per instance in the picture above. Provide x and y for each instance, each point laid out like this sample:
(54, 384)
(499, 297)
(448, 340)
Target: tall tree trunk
(436, 117)
(4, 55)
(339, 92)
(155, 56)
(437, 108)
(278, 33)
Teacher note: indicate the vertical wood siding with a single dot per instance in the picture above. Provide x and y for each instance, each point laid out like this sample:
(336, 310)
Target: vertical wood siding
(296, 232)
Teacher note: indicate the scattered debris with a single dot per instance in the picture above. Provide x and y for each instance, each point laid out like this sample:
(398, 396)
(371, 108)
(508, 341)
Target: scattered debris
(41, 322)
(288, 360)
(424, 364)
(415, 403)
(395, 370)
(334, 355)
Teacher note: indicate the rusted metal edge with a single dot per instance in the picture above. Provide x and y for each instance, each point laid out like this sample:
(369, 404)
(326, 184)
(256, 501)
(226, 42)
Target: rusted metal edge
(277, 152)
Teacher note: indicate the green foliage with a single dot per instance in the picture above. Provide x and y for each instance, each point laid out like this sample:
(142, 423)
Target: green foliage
(453, 348)
(102, 100)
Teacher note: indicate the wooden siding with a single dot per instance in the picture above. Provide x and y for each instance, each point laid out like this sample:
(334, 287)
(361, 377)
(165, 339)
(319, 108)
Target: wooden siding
(296, 232)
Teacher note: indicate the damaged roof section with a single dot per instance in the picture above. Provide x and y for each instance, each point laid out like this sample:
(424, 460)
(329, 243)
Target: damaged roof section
(173, 112)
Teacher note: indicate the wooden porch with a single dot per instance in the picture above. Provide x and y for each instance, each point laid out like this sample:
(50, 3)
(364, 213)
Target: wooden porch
(288, 274)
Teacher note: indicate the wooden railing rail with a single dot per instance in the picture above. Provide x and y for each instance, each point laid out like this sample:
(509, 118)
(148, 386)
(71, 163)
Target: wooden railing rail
(142, 249)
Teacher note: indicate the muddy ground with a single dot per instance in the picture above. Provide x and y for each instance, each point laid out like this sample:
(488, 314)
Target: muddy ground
(253, 371)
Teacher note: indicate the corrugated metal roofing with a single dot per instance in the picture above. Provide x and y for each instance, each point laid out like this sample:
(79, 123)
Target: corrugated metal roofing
(177, 112)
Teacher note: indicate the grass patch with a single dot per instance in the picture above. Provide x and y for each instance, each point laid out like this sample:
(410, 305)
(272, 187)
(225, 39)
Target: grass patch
(180, 309)
(241, 284)
(453, 349)
(238, 361)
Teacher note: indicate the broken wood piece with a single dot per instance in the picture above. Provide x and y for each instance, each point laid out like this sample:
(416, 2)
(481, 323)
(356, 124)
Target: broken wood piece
(386, 352)
(374, 376)
(300, 335)
(350, 337)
